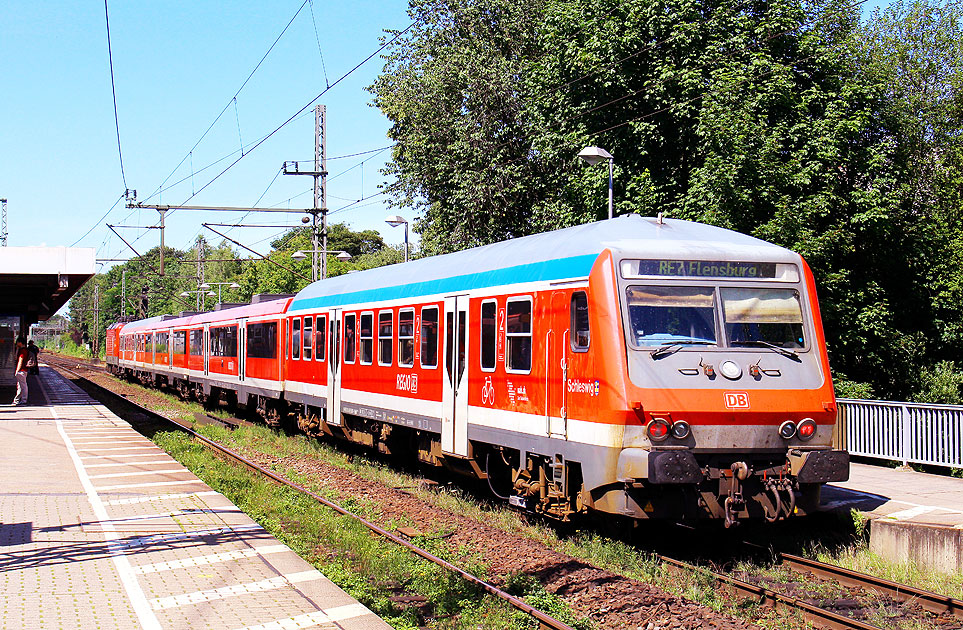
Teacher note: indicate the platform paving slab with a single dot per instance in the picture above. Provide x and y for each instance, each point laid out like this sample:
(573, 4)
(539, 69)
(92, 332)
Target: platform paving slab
(99, 528)
(914, 517)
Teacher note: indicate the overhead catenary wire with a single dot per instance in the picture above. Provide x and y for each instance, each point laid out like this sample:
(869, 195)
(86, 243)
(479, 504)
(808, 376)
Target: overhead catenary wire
(231, 100)
(302, 110)
(109, 210)
(318, 38)
(113, 91)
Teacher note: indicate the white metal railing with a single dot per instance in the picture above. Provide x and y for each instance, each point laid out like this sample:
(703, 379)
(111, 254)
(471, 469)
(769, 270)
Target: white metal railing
(915, 433)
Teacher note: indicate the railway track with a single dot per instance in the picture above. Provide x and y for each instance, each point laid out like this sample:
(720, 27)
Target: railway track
(932, 602)
(545, 621)
(819, 616)
(765, 595)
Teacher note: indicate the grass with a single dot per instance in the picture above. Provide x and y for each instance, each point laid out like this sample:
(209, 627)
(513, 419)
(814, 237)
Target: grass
(859, 557)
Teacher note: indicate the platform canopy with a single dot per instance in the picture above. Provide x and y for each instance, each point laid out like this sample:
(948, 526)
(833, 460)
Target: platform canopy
(35, 282)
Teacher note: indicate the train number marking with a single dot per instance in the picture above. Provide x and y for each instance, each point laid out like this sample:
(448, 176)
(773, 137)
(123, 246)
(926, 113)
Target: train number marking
(737, 400)
(407, 383)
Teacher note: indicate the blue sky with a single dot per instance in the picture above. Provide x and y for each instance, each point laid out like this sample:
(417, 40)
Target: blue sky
(176, 66)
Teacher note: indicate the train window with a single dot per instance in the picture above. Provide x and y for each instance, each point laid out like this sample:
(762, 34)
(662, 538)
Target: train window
(580, 322)
(308, 337)
(664, 315)
(763, 316)
(150, 343)
(296, 338)
(366, 338)
(196, 346)
(349, 325)
(518, 335)
(262, 340)
(429, 337)
(406, 338)
(320, 343)
(180, 342)
(488, 335)
(385, 337)
(223, 341)
(160, 343)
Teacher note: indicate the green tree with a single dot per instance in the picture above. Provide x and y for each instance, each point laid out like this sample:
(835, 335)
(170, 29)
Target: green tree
(913, 53)
(453, 88)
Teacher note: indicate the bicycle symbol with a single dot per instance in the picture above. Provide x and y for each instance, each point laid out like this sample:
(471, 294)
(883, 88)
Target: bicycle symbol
(488, 392)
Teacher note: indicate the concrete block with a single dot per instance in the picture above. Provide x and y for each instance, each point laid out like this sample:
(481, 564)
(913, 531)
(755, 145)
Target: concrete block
(939, 548)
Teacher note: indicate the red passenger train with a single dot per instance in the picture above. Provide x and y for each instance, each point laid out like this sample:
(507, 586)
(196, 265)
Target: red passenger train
(635, 366)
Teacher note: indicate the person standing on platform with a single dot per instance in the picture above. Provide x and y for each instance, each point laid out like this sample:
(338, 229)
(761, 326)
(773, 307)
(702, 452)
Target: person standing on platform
(23, 355)
(33, 364)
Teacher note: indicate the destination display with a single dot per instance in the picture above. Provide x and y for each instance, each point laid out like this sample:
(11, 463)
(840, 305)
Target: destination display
(698, 269)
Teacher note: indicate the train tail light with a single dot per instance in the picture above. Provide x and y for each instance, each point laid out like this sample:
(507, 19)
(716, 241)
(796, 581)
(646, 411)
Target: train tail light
(787, 430)
(680, 430)
(806, 429)
(658, 430)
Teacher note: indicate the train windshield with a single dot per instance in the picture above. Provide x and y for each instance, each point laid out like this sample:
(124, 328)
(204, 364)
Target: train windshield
(662, 315)
(763, 316)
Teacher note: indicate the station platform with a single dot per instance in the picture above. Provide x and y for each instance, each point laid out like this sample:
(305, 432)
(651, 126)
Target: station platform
(99, 528)
(914, 517)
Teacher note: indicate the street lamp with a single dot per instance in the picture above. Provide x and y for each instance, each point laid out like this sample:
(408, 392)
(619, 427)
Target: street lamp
(395, 221)
(197, 297)
(339, 255)
(594, 155)
(207, 285)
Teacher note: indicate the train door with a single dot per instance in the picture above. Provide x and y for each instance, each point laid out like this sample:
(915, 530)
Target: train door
(333, 412)
(207, 349)
(454, 421)
(170, 348)
(556, 365)
(241, 348)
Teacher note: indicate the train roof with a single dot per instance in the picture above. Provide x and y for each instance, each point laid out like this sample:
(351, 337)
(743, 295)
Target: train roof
(272, 307)
(559, 255)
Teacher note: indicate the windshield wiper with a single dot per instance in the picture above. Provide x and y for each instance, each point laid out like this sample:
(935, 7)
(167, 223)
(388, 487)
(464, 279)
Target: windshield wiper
(674, 346)
(759, 342)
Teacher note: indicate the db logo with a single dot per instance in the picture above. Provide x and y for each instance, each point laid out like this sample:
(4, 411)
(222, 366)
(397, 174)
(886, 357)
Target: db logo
(736, 400)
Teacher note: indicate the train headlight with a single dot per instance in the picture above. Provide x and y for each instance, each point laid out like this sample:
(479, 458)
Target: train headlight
(680, 430)
(731, 370)
(787, 430)
(806, 429)
(658, 430)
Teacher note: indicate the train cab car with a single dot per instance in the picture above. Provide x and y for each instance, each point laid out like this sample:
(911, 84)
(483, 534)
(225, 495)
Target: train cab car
(640, 367)
(112, 346)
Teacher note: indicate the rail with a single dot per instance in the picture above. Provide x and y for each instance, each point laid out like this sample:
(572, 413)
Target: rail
(910, 433)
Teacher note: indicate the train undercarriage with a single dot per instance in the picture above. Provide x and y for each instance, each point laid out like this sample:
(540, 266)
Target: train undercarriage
(720, 487)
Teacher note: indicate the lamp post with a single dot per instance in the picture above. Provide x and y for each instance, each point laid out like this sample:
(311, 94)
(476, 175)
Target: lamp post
(339, 254)
(197, 297)
(207, 285)
(594, 155)
(395, 221)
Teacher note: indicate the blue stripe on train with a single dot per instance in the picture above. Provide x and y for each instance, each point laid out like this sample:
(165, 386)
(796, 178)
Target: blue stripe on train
(560, 268)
